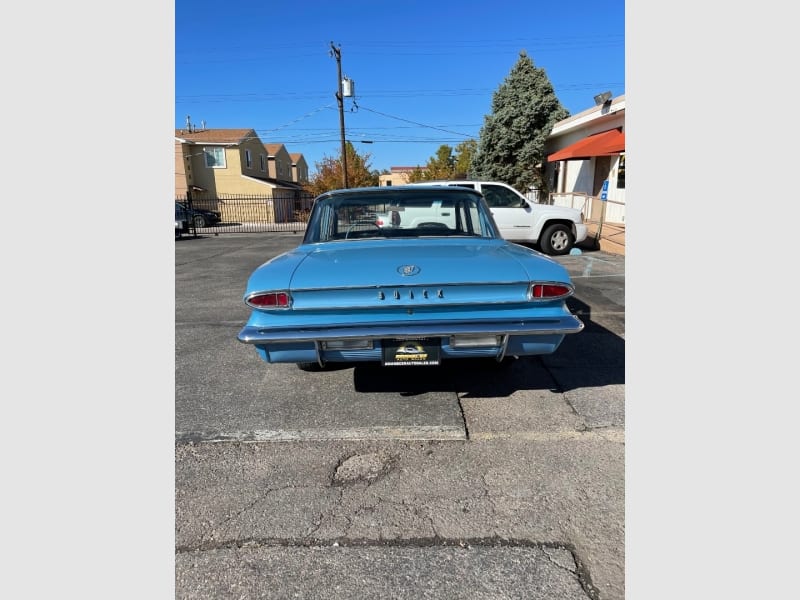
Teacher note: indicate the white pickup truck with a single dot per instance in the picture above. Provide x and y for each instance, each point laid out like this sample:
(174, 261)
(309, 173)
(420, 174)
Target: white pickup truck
(555, 229)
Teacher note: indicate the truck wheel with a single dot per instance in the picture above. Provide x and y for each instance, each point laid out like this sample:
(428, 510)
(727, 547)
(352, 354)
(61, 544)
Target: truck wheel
(557, 240)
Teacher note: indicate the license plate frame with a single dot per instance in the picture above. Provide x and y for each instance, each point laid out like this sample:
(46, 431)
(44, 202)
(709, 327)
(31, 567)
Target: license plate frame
(421, 352)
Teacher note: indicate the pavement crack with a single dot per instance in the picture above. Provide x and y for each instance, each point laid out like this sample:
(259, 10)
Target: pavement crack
(561, 554)
(564, 556)
(224, 523)
(326, 514)
(436, 535)
(463, 416)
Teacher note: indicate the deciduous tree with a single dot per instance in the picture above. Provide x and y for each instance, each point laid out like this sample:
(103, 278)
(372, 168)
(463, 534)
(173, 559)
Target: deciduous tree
(328, 175)
(464, 153)
(447, 163)
(441, 166)
(418, 174)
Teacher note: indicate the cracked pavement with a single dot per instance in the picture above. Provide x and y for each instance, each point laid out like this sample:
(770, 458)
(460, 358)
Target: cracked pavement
(461, 482)
(434, 495)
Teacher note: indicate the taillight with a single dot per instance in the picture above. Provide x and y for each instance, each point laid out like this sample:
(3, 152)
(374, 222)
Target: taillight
(550, 291)
(269, 300)
(379, 222)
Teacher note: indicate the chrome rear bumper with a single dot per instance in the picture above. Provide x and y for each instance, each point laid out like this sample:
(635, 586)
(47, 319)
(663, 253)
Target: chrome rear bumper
(550, 326)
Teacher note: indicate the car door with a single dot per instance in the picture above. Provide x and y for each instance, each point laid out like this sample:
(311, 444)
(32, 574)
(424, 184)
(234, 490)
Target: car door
(181, 215)
(511, 211)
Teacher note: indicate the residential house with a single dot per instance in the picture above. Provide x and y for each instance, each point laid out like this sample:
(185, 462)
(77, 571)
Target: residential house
(299, 168)
(586, 160)
(279, 162)
(213, 165)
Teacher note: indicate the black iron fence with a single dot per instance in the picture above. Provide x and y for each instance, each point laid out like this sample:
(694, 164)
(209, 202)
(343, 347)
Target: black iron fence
(284, 210)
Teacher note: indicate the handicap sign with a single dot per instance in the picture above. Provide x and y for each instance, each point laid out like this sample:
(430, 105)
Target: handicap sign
(604, 193)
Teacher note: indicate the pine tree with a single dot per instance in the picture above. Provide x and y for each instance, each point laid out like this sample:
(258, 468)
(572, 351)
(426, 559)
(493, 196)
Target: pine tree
(511, 141)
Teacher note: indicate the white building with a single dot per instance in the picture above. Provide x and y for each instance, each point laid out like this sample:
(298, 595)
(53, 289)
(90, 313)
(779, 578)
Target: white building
(586, 161)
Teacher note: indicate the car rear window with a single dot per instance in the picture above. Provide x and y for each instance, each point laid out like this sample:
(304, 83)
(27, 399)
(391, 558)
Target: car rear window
(398, 215)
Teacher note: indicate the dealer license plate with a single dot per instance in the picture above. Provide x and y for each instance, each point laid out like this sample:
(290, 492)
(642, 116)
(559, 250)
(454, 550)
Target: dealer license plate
(411, 353)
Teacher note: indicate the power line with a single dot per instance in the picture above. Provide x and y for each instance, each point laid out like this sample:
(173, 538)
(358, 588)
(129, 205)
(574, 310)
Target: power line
(298, 119)
(419, 93)
(413, 122)
(419, 48)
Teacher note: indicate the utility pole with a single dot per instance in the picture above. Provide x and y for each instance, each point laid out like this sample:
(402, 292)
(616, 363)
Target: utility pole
(337, 53)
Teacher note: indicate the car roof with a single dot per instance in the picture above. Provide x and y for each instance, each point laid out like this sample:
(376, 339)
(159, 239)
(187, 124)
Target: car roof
(438, 181)
(462, 182)
(391, 189)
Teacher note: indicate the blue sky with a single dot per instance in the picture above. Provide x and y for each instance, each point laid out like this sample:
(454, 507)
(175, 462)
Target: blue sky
(424, 73)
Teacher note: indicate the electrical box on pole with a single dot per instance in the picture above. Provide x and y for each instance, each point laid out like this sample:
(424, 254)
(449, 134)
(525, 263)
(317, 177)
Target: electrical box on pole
(348, 88)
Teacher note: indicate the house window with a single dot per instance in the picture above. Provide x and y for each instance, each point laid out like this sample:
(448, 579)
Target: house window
(215, 157)
(621, 172)
(263, 160)
(248, 160)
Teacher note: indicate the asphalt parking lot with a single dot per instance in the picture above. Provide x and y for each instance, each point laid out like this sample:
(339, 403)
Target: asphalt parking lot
(464, 480)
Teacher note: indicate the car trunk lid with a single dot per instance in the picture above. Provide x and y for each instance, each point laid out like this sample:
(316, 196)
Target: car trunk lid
(361, 274)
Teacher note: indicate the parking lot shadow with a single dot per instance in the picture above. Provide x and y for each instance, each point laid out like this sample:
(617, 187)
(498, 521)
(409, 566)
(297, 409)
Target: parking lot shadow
(595, 357)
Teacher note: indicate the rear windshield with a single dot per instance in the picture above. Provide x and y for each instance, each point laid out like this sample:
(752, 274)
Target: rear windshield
(398, 215)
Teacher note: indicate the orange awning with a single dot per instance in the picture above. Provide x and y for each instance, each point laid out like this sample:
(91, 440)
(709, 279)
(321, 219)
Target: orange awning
(607, 143)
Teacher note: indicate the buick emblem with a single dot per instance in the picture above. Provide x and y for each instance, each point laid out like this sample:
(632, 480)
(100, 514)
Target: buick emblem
(408, 270)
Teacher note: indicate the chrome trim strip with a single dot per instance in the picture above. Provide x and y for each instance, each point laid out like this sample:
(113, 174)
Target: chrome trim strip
(412, 301)
(556, 325)
(525, 282)
(420, 303)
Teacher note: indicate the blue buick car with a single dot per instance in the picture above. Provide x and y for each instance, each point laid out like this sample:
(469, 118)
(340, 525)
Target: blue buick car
(405, 276)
